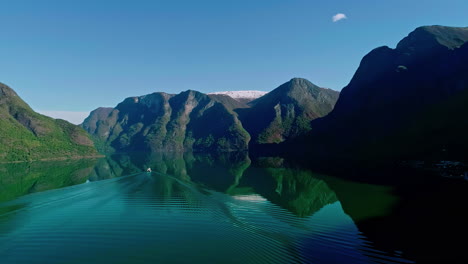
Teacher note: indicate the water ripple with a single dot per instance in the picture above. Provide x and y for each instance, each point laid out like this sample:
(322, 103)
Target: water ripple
(148, 218)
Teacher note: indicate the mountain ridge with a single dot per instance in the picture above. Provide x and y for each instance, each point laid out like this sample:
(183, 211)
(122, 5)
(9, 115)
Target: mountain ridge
(161, 121)
(286, 112)
(27, 135)
(387, 110)
(198, 122)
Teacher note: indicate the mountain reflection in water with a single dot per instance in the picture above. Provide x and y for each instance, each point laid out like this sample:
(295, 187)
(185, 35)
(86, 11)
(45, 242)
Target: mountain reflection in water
(192, 208)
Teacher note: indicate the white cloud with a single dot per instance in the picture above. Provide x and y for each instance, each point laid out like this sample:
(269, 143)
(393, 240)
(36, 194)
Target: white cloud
(338, 17)
(72, 117)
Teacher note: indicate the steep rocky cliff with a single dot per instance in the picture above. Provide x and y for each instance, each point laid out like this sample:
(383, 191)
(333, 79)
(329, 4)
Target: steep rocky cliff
(407, 102)
(166, 122)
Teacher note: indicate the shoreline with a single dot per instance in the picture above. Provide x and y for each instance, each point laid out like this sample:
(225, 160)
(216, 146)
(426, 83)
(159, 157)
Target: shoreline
(54, 159)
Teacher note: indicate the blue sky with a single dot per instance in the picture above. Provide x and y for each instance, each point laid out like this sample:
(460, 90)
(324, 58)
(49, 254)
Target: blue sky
(79, 55)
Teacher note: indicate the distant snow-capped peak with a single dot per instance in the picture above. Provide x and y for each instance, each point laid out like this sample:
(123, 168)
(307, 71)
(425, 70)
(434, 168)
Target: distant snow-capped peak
(242, 94)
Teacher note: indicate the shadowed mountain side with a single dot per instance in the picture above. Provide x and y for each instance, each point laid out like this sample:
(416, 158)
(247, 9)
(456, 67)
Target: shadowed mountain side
(286, 112)
(402, 103)
(160, 121)
(26, 135)
(92, 123)
(228, 102)
(192, 121)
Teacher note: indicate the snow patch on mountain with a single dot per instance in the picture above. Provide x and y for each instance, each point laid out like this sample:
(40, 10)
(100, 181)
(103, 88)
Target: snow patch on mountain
(242, 94)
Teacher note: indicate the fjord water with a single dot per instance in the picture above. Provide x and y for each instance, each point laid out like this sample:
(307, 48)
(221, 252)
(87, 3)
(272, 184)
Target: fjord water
(191, 208)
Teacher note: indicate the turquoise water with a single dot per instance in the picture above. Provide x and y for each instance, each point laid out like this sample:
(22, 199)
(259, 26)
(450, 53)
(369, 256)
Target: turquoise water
(191, 209)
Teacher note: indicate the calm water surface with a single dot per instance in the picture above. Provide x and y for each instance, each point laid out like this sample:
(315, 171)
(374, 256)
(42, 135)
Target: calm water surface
(191, 209)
